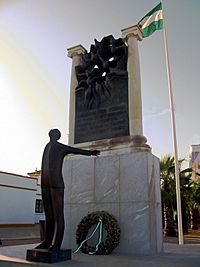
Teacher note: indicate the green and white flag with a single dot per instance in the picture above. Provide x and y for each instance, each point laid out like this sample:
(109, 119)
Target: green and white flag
(152, 21)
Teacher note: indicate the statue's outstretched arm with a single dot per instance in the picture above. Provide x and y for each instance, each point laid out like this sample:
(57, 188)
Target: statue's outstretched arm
(73, 150)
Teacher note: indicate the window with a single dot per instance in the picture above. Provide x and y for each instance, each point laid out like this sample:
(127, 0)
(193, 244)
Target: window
(194, 155)
(38, 206)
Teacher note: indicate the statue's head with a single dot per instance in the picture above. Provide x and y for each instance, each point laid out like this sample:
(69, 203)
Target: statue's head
(54, 134)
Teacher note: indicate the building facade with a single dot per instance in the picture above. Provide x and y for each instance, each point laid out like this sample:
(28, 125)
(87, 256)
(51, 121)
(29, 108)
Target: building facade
(194, 155)
(20, 199)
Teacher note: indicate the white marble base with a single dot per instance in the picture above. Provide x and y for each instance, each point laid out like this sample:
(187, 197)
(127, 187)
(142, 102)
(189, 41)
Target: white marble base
(125, 185)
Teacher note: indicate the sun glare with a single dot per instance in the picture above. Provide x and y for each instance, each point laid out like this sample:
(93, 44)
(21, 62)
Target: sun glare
(29, 102)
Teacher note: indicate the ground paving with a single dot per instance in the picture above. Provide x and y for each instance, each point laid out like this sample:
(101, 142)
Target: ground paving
(174, 255)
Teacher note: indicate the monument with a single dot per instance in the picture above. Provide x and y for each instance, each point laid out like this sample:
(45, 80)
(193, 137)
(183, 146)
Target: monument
(123, 183)
(52, 185)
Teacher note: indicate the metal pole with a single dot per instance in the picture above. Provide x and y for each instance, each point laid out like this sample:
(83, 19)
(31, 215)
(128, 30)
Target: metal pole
(178, 194)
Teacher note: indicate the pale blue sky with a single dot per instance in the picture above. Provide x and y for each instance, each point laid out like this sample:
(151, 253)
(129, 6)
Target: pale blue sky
(35, 71)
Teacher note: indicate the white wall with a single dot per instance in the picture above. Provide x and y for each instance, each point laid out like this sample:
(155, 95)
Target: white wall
(17, 199)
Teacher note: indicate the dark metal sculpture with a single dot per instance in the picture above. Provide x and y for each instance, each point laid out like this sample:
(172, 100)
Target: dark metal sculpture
(105, 59)
(52, 185)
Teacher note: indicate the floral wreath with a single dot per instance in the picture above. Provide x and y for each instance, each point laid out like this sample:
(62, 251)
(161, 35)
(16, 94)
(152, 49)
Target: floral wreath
(111, 227)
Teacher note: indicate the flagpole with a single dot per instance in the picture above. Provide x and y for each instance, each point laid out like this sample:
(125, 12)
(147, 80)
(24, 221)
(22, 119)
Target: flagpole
(169, 80)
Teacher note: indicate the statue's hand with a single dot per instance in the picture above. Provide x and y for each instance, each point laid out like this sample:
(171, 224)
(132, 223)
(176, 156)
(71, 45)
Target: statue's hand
(95, 152)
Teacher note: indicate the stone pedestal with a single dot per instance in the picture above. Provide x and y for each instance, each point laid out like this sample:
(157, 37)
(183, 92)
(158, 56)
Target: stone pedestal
(127, 185)
(125, 179)
(43, 255)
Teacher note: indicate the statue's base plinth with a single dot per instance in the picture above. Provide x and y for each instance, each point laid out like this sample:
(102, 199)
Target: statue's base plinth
(126, 185)
(43, 255)
(117, 145)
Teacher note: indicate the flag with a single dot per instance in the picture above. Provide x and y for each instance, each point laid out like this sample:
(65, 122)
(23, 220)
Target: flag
(152, 21)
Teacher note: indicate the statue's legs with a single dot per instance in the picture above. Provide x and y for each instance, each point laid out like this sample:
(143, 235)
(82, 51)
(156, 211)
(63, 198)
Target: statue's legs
(50, 220)
(57, 195)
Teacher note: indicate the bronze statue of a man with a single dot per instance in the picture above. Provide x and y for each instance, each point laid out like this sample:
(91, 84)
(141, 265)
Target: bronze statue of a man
(52, 185)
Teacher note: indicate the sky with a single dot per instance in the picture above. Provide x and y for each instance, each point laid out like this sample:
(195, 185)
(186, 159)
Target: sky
(35, 71)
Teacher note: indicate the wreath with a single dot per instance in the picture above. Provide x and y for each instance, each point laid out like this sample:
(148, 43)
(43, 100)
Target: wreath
(111, 227)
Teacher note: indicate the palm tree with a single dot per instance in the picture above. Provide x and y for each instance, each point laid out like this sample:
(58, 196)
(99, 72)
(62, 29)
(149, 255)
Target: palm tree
(186, 187)
(168, 192)
(168, 186)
